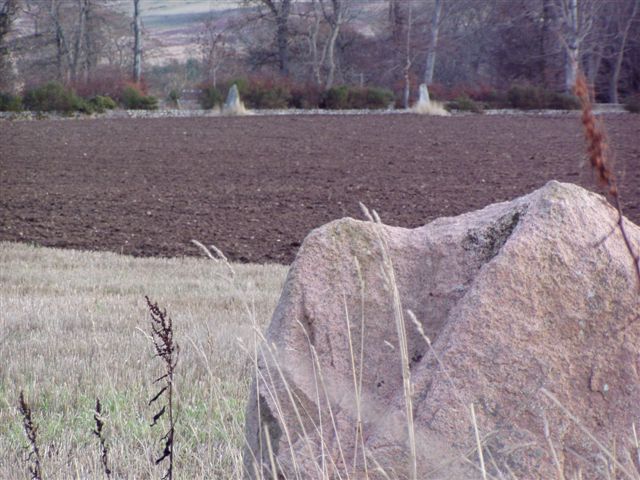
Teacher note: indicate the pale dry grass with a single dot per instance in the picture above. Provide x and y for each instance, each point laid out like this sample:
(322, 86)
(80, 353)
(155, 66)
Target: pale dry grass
(432, 108)
(73, 327)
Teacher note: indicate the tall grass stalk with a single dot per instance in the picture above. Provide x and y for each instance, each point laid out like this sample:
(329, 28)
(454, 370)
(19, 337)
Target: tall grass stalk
(389, 273)
(98, 432)
(167, 350)
(604, 450)
(597, 150)
(31, 431)
(72, 328)
(478, 442)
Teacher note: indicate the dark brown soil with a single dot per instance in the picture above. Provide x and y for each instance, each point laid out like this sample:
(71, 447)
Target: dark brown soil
(255, 186)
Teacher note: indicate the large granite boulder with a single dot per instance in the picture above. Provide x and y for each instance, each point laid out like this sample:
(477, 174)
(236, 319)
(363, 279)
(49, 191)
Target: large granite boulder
(531, 308)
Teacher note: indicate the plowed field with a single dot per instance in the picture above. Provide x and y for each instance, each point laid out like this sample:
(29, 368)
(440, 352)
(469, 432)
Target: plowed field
(256, 185)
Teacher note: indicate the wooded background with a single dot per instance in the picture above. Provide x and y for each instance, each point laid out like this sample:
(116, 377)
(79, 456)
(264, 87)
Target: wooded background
(452, 45)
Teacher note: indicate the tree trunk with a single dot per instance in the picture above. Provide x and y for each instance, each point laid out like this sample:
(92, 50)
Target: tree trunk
(592, 64)
(617, 66)
(336, 22)
(572, 47)
(62, 50)
(282, 34)
(80, 37)
(8, 12)
(547, 42)
(331, 56)
(407, 65)
(433, 44)
(570, 67)
(396, 20)
(89, 59)
(313, 44)
(280, 11)
(137, 45)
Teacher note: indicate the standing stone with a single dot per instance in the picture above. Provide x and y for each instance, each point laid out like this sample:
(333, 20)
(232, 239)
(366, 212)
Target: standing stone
(518, 299)
(233, 105)
(424, 100)
(428, 107)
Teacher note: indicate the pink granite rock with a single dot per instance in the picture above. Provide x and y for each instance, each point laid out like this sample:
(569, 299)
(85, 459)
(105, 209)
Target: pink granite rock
(518, 299)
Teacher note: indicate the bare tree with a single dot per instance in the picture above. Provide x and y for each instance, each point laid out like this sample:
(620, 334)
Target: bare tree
(8, 12)
(72, 36)
(79, 50)
(313, 36)
(433, 43)
(212, 43)
(408, 60)
(325, 21)
(137, 42)
(575, 24)
(280, 10)
(335, 16)
(396, 20)
(624, 18)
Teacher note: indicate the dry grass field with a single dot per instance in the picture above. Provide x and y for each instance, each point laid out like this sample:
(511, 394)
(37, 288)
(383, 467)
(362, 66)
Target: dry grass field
(74, 326)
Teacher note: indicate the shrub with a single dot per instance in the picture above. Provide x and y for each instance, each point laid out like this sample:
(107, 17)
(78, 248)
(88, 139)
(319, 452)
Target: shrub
(465, 104)
(305, 96)
(336, 98)
(100, 103)
(533, 98)
(174, 96)
(261, 92)
(266, 94)
(632, 103)
(209, 97)
(562, 101)
(378, 97)
(133, 99)
(106, 81)
(54, 96)
(347, 97)
(10, 103)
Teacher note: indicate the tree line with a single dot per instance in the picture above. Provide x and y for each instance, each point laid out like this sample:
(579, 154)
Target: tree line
(448, 44)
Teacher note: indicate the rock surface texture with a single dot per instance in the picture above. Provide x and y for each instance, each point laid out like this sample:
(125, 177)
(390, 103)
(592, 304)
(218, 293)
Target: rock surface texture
(518, 299)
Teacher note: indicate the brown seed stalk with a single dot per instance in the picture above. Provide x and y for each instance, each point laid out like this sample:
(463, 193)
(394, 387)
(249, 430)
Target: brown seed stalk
(31, 430)
(600, 162)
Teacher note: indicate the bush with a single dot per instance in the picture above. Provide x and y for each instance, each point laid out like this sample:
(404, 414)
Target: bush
(305, 96)
(174, 97)
(100, 103)
(209, 97)
(535, 98)
(632, 103)
(10, 103)
(465, 104)
(106, 81)
(562, 101)
(55, 97)
(378, 98)
(346, 97)
(133, 99)
(336, 98)
(266, 94)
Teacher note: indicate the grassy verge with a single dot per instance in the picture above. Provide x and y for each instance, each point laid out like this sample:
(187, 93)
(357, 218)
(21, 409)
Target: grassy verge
(73, 327)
